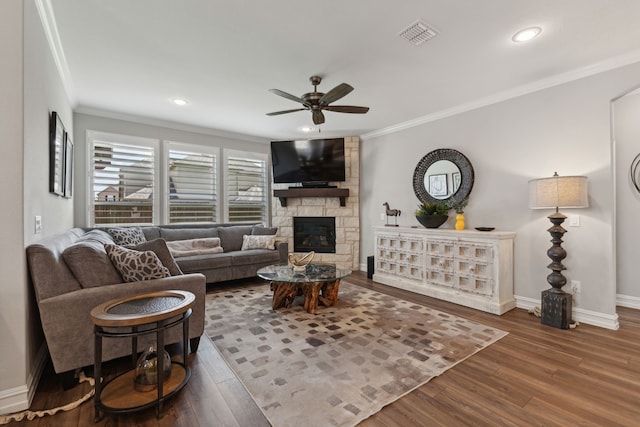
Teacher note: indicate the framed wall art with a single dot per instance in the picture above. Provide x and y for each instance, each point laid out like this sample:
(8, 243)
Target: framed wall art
(56, 155)
(438, 185)
(68, 166)
(456, 181)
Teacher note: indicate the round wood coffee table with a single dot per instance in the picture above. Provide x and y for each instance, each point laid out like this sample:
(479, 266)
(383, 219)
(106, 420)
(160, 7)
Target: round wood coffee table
(319, 283)
(131, 317)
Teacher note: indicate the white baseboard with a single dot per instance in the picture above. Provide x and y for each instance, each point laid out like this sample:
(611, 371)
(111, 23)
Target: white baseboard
(19, 398)
(628, 301)
(595, 318)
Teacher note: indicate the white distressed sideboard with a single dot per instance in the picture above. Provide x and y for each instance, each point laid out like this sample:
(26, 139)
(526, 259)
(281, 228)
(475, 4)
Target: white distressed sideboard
(468, 267)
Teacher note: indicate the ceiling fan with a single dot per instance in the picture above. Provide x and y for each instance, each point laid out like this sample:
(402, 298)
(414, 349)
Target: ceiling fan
(318, 101)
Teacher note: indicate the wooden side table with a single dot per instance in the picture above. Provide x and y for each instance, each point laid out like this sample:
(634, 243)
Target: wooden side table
(131, 317)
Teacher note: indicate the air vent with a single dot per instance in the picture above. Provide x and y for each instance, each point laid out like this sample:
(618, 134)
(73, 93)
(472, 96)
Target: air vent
(418, 33)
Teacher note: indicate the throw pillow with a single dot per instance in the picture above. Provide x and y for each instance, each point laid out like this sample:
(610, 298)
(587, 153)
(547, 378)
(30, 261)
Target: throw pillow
(258, 242)
(231, 237)
(260, 230)
(160, 248)
(136, 266)
(90, 264)
(127, 236)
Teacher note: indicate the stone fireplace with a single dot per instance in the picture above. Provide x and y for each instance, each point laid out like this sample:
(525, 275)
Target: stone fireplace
(347, 217)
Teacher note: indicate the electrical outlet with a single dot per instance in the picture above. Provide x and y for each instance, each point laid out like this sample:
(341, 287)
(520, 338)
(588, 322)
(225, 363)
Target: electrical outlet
(38, 224)
(575, 287)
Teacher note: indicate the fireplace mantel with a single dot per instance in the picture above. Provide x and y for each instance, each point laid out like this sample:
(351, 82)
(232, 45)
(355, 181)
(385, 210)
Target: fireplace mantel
(283, 195)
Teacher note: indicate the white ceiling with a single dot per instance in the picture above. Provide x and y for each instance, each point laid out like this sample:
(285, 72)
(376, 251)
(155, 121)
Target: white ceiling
(133, 57)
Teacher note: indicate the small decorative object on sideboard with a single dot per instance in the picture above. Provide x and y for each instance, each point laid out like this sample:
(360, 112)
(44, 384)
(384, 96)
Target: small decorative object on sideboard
(395, 213)
(432, 215)
(299, 265)
(459, 207)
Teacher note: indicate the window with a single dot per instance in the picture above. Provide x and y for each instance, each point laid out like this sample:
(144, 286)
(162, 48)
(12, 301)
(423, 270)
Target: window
(141, 181)
(123, 171)
(246, 186)
(191, 184)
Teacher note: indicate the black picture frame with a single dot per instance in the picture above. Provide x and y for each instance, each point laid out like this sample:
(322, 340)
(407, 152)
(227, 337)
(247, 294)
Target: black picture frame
(56, 155)
(68, 166)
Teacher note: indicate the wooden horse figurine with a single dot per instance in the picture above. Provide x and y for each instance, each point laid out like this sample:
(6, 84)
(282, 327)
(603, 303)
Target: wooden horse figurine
(395, 213)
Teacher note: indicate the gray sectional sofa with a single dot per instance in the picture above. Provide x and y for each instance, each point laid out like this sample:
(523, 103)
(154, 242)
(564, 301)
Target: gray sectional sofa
(71, 273)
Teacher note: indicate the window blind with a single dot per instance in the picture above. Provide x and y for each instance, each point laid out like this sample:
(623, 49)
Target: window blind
(246, 189)
(192, 186)
(122, 183)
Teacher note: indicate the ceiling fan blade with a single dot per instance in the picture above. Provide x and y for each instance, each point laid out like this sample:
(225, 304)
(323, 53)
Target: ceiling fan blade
(277, 113)
(336, 93)
(318, 117)
(346, 109)
(286, 95)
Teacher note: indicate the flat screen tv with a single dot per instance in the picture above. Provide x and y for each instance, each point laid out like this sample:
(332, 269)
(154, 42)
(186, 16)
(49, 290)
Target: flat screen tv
(313, 162)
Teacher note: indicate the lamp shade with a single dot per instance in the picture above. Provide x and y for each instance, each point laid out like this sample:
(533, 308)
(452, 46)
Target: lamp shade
(558, 192)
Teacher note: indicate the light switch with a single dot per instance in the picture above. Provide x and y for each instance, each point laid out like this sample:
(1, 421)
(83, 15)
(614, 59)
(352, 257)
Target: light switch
(38, 224)
(574, 220)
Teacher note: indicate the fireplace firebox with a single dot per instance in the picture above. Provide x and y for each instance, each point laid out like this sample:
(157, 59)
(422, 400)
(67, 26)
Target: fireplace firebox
(314, 233)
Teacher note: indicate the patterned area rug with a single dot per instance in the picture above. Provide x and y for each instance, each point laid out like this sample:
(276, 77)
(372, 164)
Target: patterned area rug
(344, 363)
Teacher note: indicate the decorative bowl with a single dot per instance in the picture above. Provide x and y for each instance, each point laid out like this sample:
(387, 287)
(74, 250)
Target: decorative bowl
(485, 228)
(432, 221)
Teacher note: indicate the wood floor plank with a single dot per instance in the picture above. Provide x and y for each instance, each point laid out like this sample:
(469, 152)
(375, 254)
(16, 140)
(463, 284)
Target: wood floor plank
(535, 376)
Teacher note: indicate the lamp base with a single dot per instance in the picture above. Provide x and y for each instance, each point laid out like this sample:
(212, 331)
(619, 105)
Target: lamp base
(556, 308)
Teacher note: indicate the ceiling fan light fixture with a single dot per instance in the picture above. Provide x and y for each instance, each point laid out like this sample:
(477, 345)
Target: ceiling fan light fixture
(526, 34)
(418, 33)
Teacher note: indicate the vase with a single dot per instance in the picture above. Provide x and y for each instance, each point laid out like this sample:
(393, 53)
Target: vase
(146, 375)
(432, 221)
(459, 221)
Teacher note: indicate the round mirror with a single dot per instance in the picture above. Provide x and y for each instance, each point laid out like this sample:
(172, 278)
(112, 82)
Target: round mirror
(443, 175)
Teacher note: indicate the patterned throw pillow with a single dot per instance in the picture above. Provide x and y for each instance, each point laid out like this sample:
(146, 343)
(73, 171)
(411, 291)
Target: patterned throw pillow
(127, 236)
(135, 265)
(258, 242)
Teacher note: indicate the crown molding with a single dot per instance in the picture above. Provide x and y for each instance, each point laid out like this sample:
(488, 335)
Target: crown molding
(556, 80)
(47, 17)
(169, 124)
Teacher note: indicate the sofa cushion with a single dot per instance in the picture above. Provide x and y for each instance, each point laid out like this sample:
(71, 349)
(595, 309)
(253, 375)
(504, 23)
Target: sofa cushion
(231, 237)
(255, 256)
(200, 263)
(159, 247)
(136, 266)
(89, 262)
(258, 242)
(151, 232)
(127, 236)
(171, 234)
(260, 230)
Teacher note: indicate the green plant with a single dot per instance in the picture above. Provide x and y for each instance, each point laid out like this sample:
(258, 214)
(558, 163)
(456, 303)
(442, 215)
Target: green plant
(435, 208)
(459, 206)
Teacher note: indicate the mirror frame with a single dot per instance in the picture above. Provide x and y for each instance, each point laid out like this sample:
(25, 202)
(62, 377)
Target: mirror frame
(466, 176)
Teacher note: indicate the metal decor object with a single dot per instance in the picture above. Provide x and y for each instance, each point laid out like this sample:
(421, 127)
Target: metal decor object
(635, 172)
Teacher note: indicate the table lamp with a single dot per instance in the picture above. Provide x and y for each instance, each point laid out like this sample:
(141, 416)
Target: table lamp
(557, 192)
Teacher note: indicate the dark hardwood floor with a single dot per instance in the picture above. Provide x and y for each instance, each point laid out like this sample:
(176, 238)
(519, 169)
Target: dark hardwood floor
(536, 375)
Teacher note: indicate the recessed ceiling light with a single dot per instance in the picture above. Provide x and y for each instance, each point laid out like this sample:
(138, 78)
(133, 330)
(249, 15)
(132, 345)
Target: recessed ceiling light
(526, 34)
(180, 101)
(306, 129)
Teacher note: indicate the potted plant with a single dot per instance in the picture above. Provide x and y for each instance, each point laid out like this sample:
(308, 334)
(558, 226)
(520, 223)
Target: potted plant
(432, 214)
(459, 207)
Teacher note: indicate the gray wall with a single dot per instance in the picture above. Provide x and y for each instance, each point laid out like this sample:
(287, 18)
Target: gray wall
(565, 128)
(31, 89)
(626, 118)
